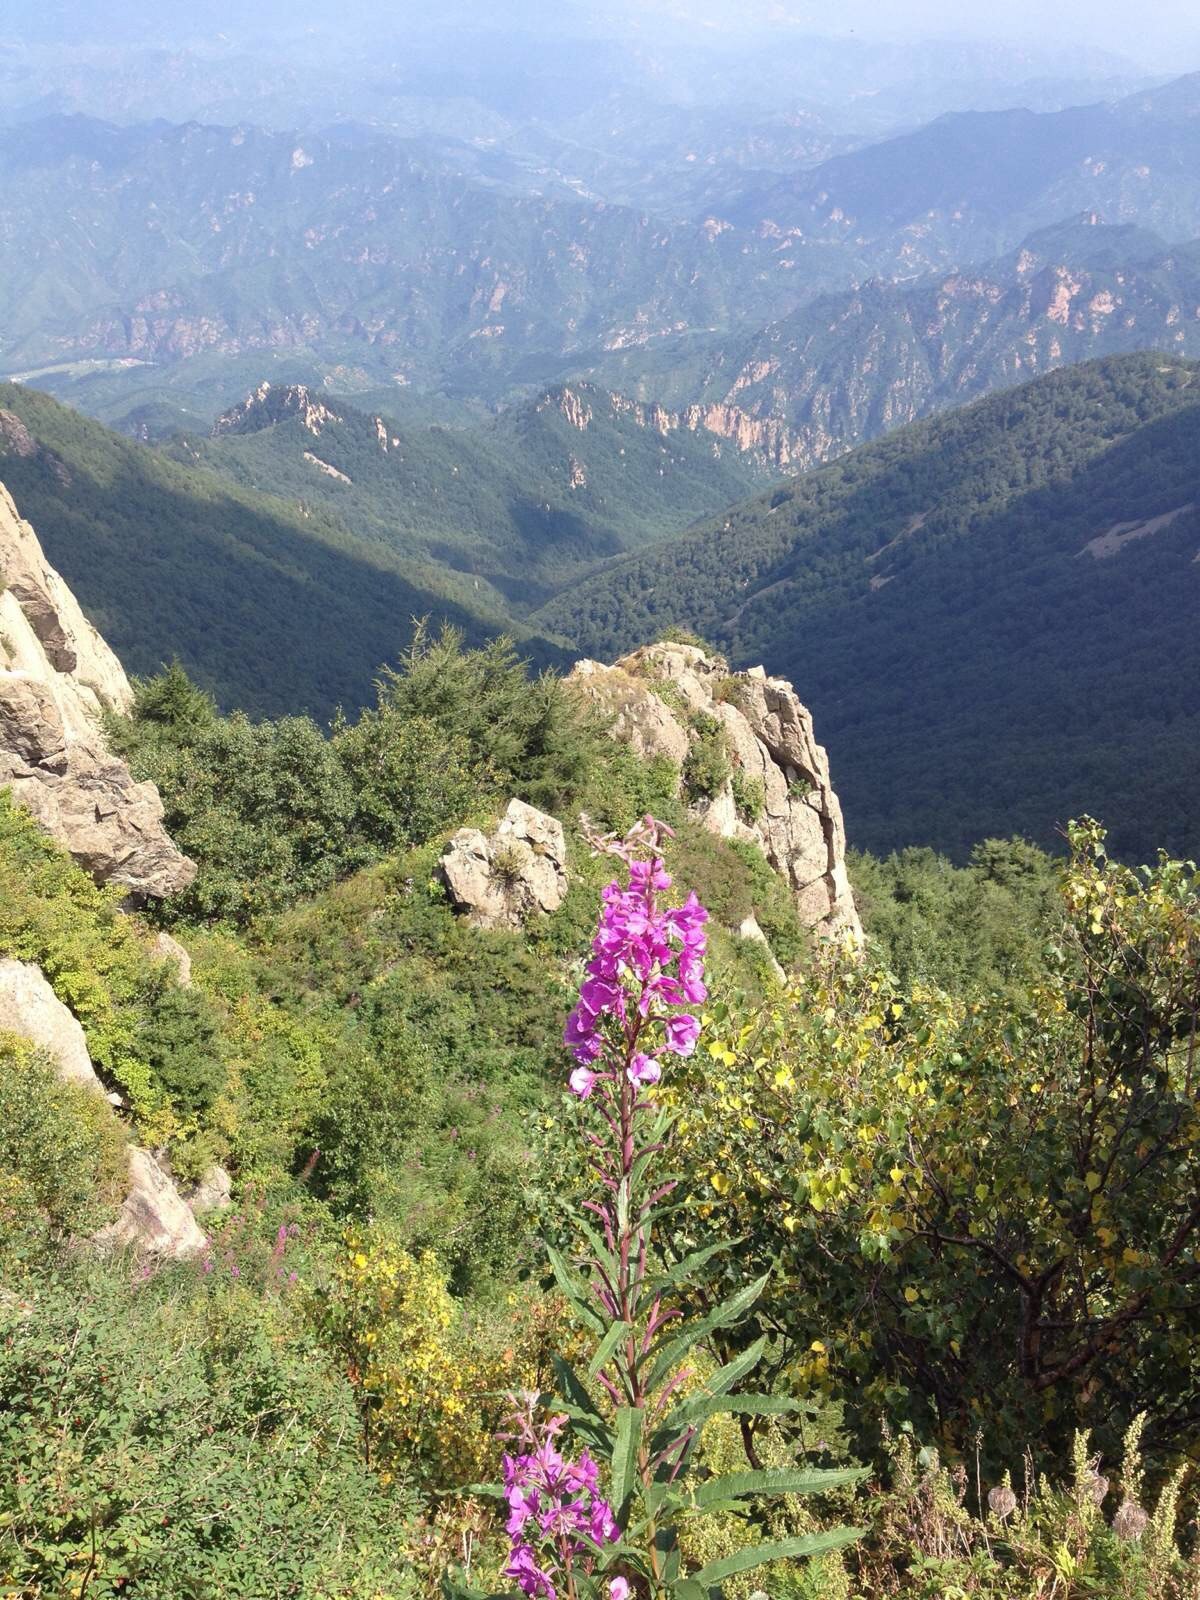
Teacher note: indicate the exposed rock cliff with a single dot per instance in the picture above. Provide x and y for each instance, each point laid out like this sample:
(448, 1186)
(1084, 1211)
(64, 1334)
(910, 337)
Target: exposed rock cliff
(778, 792)
(56, 676)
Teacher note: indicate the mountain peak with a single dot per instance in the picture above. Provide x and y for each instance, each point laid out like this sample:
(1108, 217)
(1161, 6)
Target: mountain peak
(269, 405)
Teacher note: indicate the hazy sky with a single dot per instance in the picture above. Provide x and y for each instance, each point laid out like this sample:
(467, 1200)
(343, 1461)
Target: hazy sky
(1160, 33)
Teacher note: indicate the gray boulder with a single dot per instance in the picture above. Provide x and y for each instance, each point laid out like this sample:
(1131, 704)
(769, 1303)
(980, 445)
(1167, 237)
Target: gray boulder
(519, 871)
(56, 677)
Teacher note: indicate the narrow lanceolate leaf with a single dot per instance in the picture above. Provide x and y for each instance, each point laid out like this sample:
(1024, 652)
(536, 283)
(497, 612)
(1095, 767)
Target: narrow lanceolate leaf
(688, 1266)
(627, 1436)
(671, 1353)
(783, 1480)
(721, 1382)
(575, 1292)
(586, 1421)
(607, 1346)
(811, 1544)
(693, 1412)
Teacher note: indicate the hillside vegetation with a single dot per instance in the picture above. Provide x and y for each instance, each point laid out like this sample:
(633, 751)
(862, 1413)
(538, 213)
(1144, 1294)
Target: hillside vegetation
(274, 606)
(549, 490)
(903, 1146)
(989, 613)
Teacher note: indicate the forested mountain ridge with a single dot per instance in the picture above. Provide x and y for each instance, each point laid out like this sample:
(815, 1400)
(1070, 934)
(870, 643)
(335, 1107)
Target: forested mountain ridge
(549, 490)
(992, 612)
(273, 607)
(848, 367)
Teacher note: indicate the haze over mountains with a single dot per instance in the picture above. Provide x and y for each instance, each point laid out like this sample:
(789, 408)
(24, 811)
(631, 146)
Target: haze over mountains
(409, 317)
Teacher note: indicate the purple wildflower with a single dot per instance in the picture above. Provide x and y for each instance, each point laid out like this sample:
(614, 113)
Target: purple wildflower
(645, 962)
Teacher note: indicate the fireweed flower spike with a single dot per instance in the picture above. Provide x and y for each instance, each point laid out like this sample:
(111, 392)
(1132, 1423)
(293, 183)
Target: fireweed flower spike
(557, 1518)
(609, 1530)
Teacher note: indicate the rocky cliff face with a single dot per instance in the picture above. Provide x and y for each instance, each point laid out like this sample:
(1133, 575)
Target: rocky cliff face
(56, 676)
(778, 793)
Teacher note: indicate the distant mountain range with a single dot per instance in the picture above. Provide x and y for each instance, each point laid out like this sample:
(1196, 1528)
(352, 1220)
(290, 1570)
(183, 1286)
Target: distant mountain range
(160, 243)
(971, 185)
(850, 366)
(992, 614)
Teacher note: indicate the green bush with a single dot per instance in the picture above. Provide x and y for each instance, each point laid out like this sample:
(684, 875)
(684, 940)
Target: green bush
(749, 796)
(707, 765)
(181, 1438)
(96, 958)
(62, 1153)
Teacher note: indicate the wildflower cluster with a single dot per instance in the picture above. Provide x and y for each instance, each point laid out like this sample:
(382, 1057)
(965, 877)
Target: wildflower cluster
(558, 1521)
(645, 963)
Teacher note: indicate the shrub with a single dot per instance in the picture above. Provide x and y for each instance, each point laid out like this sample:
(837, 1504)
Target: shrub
(749, 796)
(166, 1437)
(1016, 1180)
(707, 765)
(63, 1163)
(97, 960)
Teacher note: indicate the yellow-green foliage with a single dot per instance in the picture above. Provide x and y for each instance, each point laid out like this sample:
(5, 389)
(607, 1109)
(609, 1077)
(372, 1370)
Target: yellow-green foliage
(51, 913)
(1015, 1179)
(432, 1378)
(62, 1152)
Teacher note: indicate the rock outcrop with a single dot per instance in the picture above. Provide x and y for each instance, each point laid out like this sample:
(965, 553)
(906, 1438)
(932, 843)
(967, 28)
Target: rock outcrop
(778, 793)
(30, 1009)
(518, 872)
(56, 676)
(154, 1218)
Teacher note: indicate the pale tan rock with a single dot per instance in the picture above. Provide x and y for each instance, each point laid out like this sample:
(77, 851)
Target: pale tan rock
(770, 738)
(213, 1193)
(164, 948)
(518, 872)
(155, 1219)
(56, 676)
(30, 1008)
(640, 719)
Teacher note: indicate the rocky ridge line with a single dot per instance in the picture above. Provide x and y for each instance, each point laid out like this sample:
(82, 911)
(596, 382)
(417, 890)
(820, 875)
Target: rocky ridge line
(658, 694)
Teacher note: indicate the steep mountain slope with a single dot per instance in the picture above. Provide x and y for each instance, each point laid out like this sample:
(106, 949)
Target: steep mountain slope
(276, 609)
(521, 505)
(159, 243)
(848, 367)
(993, 613)
(971, 185)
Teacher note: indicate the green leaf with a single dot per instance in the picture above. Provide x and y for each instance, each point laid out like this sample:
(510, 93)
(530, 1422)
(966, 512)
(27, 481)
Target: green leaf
(672, 1353)
(721, 1381)
(783, 1480)
(575, 1291)
(607, 1345)
(758, 1555)
(627, 1436)
(690, 1264)
(696, 1410)
(689, 1589)
(586, 1421)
